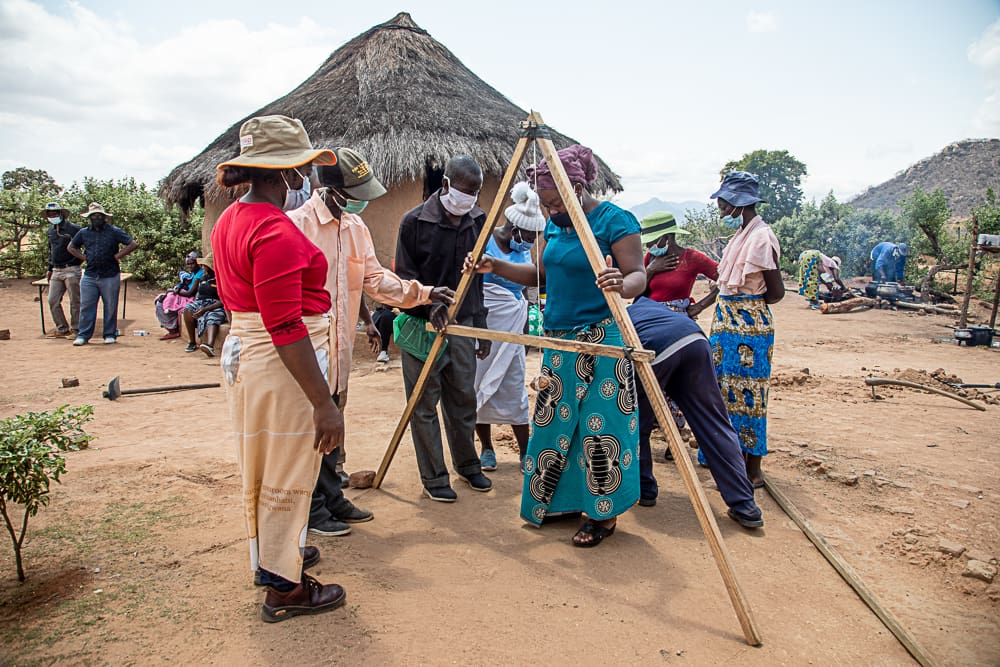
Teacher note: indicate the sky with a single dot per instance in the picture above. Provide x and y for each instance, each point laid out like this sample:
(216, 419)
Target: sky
(666, 92)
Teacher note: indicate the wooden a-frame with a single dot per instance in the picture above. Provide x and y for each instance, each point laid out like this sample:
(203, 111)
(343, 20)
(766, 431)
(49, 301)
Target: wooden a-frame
(534, 130)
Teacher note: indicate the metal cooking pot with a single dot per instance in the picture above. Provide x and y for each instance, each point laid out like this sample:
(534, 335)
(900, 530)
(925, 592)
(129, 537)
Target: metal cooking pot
(888, 291)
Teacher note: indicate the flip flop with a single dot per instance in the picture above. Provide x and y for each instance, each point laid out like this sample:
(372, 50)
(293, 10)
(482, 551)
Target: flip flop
(597, 533)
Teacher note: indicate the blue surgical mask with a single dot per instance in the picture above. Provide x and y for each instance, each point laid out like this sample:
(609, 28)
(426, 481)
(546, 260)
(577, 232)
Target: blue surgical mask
(55, 221)
(733, 222)
(657, 251)
(296, 198)
(519, 244)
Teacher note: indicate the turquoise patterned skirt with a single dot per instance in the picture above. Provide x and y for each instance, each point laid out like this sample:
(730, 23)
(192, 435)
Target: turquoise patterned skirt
(742, 343)
(583, 452)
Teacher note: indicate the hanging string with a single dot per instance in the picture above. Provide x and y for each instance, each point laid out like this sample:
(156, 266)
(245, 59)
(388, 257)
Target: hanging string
(537, 248)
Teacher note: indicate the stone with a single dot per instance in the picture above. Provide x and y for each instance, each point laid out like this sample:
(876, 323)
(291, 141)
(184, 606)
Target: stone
(847, 479)
(953, 549)
(977, 569)
(909, 538)
(960, 504)
(70, 382)
(901, 485)
(822, 469)
(362, 479)
(4, 334)
(869, 473)
(978, 554)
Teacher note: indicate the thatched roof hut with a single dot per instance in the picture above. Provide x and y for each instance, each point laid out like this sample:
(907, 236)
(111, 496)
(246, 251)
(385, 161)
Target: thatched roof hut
(403, 100)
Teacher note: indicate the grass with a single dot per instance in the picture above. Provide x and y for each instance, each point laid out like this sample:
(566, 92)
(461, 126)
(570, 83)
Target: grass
(123, 528)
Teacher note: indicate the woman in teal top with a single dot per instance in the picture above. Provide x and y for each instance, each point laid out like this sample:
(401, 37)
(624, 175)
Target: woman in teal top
(583, 451)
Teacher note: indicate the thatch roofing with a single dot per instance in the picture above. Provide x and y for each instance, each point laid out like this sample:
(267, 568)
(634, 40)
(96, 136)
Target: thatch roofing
(399, 97)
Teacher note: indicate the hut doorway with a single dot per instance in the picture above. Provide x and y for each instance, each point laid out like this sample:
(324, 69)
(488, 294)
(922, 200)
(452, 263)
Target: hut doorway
(432, 180)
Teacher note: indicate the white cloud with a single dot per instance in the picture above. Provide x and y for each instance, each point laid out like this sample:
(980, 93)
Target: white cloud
(762, 22)
(984, 53)
(84, 94)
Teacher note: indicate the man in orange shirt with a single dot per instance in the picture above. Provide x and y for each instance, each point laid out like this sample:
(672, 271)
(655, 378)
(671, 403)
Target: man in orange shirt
(331, 220)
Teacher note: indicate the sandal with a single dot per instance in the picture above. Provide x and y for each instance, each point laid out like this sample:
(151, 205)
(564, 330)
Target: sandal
(597, 534)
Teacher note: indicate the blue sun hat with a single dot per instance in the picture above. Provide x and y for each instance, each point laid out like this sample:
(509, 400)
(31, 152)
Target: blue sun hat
(739, 188)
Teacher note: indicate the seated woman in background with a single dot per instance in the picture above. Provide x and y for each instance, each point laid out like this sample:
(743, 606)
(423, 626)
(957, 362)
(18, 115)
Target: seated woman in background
(672, 269)
(172, 302)
(205, 312)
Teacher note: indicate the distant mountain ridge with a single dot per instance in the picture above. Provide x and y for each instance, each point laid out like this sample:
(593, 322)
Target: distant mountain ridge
(962, 171)
(656, 205)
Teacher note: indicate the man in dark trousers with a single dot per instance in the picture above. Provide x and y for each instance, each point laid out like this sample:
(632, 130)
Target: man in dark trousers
(64, 270)
(685, 372)
(434, 239)
(102, 277)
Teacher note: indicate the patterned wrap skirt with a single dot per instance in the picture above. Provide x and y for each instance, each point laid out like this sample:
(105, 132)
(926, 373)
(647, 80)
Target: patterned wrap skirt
(810, 266)
(583, 452)
(742, 343)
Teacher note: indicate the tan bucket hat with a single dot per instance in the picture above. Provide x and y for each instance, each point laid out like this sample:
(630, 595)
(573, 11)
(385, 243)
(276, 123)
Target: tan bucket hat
(277, 142)
(95, 208)
(54, 207)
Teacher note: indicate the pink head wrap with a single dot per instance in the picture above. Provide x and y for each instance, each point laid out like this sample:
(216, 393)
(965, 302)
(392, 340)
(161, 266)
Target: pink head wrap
(577, 160)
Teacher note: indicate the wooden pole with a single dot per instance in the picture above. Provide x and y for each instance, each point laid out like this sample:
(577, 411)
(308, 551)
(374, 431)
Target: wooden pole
(656, 399)
(850, 576)
(463, 286)
(964, 317)
(996, 302)
(878, 382)
(545, 342)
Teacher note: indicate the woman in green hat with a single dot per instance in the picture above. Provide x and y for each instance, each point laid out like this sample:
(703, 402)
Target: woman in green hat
(672, 269)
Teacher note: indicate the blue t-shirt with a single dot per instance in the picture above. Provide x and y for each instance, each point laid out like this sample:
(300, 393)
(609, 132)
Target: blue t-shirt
(658, 326)
(572, 297)
(100, 247)
(493, 250)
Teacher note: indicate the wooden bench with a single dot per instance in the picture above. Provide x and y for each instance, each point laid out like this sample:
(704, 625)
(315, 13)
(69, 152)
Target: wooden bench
(42, 283)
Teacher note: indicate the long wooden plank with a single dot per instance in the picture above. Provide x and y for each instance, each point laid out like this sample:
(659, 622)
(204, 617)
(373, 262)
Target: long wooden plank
(463, 287)
(645, 370)
(850, 576)
(546, 342)
(879, 382)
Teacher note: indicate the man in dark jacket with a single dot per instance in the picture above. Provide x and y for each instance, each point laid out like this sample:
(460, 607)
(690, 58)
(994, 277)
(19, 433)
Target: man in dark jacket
(102, 277)
(434, 239)
(686, 373)
(64, 270)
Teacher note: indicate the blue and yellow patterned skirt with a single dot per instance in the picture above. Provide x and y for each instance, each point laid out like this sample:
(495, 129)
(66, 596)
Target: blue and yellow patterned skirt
(583, 453)
(742, 343)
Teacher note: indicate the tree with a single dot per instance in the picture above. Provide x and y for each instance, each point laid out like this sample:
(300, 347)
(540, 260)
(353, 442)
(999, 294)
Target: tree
(23, 179)
(23, 246)
(929, 214)
(30, 460)
(708, 234)
(780, 176)
(988, 213)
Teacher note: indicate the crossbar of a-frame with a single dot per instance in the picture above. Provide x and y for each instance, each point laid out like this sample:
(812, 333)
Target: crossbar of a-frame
(536, 131)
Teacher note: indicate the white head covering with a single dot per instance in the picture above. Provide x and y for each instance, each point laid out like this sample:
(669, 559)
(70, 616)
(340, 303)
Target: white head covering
(525, 211)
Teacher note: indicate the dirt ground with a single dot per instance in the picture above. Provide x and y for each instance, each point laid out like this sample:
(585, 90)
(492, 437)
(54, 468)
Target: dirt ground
(141, 558)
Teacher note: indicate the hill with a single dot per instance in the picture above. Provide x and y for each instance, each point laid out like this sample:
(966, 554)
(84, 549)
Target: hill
(962, 170)
(655, 204)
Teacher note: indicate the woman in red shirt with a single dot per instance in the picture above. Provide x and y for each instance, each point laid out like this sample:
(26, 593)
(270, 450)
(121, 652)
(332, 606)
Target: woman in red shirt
(276, 359)
(670, 269)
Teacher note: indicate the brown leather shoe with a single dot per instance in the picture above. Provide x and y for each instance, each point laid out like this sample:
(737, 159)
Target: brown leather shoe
(309, 597)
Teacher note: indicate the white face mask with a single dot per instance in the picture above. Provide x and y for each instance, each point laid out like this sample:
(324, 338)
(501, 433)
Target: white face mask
(457, 202)
(296, 198)
(55, 221)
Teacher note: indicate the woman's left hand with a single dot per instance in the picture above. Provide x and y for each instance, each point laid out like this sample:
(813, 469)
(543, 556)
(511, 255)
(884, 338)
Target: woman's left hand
(610, 279)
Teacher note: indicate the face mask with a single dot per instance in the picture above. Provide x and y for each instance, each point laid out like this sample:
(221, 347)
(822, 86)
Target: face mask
(457, 202)
(519, 244)
(97, 221)
(55, 221)
(733, 222)
(296, 198)
(562, 220)
(352, 206)
(657, 251)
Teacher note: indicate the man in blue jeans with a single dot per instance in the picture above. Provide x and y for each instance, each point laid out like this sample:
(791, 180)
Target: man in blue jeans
(101, 277)
(685, 372)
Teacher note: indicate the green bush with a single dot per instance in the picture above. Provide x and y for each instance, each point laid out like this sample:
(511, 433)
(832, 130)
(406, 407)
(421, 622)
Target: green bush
(31, 446)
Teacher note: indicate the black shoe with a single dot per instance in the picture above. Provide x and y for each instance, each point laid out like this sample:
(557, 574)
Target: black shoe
(668, 455)
(310, 556)
(442, 494)
(744, 520)
(478, 481)
(330, 526)
(191, 347)
(348, 512)
(345, 479)
(647, 502)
